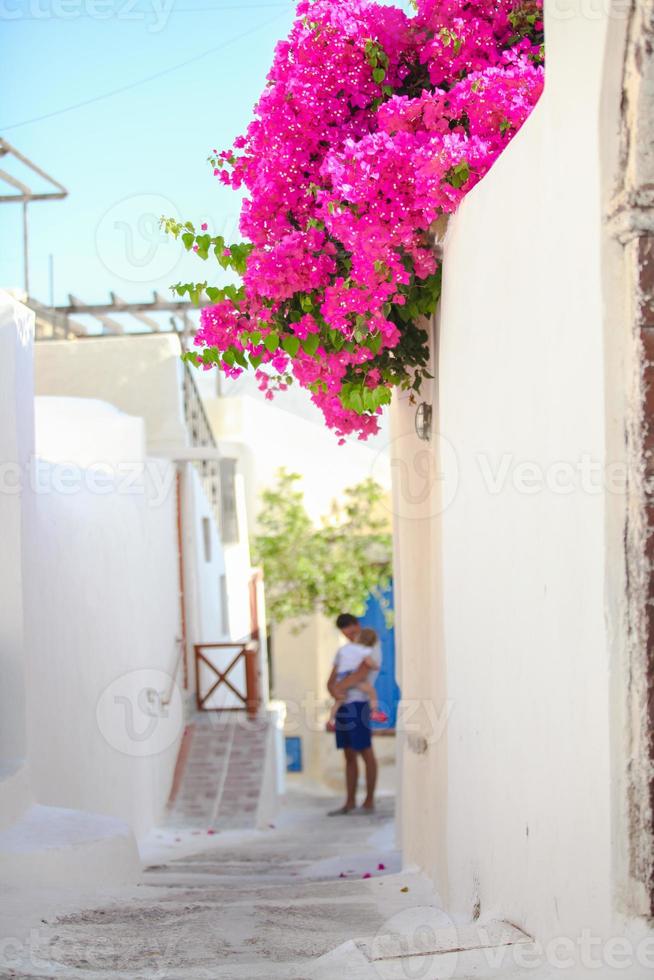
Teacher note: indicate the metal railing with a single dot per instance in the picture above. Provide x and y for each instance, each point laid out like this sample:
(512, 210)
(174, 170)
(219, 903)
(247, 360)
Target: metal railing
(201, 436)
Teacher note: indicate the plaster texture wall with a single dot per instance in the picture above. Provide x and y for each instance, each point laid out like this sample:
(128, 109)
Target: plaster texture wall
(217, 611)
(104, 614)
(264, 437)
(303, 653)
(204, 563)
(143, 376)
(39, 845)
(16, 448)
(67, 434)
(501, 558)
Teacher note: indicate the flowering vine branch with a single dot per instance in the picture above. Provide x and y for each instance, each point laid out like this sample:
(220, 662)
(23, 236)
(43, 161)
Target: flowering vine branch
(372, 125)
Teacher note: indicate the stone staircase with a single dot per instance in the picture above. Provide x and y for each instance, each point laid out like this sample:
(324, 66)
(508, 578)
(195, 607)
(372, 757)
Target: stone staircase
(221, 772)
(311, 898)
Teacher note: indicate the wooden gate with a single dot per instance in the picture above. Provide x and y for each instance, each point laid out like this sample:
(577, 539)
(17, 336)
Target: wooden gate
(227, 676)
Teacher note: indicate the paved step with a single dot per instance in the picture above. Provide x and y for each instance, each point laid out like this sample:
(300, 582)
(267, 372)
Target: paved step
(313, 898)
(221, 779)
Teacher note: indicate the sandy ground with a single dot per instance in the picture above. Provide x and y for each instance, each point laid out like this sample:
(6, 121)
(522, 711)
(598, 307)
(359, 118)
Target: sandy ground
(233, 904)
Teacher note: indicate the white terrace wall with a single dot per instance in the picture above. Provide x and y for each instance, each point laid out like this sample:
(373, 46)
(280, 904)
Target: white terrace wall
(142, 375)
(265, 436)
(38, 844)
(16, 533)
(501, 563)
(104, 616)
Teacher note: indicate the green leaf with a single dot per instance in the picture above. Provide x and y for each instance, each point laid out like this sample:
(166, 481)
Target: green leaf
(458, 175)
(374, 343)
(336, 339)
(271, 341)
(379, 75)
(370, 399)
(203, 243)
(311, 343)
(355, 401)
(291, 344)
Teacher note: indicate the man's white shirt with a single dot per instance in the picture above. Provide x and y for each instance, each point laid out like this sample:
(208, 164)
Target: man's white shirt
(348, 658)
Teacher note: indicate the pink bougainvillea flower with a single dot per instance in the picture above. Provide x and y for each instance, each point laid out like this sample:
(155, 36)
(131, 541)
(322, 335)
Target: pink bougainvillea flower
(372, 126)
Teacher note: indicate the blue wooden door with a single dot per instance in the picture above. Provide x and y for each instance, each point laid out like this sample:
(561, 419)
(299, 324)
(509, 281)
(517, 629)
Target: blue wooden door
(387, 688)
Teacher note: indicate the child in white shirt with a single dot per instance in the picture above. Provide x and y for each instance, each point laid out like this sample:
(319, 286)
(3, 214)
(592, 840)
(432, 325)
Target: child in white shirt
(349, 658)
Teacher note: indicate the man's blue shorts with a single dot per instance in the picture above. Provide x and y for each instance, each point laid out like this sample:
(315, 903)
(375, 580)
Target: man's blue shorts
(353, 726)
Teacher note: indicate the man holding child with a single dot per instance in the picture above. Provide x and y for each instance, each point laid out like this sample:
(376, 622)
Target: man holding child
(351, 684)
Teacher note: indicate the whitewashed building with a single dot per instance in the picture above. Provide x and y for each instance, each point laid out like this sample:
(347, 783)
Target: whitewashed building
(289, 432)
(128, 548)
(523, 568)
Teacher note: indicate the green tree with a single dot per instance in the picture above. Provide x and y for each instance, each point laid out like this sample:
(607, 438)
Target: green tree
(332, 568)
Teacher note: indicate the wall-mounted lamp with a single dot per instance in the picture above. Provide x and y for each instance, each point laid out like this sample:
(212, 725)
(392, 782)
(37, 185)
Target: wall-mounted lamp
(423, 421)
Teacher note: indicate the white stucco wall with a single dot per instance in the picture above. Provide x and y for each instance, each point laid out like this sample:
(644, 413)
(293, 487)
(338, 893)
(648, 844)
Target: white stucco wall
(239, 569)
(39, 845)
(265, 437)
(216, 611)
(143, 376)
(202, 568)
(16, 447)
(519, 784)
(67, 433)
(303, 653)
(104, 618)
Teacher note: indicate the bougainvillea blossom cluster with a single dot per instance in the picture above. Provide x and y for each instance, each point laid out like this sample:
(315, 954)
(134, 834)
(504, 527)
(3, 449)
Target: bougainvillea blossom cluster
(372, 125)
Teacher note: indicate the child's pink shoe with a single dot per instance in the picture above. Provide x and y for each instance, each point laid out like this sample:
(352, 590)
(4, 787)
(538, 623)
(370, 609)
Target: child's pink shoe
(378, 716)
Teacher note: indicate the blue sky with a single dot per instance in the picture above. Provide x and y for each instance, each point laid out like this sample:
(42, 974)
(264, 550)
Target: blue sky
(131, 156)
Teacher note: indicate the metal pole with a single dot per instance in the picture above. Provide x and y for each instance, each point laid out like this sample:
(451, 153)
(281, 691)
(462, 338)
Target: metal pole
(26, 260)
(186, 332)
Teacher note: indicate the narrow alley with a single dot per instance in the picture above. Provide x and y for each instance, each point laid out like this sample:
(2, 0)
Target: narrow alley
(327, 491)
(309, 897)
